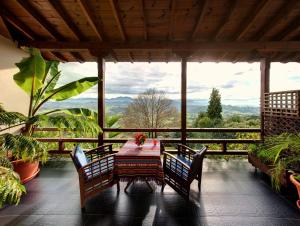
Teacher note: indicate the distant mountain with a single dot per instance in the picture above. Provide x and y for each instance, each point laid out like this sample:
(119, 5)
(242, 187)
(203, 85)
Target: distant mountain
(118, 104)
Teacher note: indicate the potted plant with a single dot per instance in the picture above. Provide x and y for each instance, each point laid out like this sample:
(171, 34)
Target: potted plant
(295, 179)
(278, 154)
(11, 188)
(38, 78)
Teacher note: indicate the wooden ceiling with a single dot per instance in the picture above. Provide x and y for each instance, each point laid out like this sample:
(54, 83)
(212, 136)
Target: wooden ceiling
(156, 30)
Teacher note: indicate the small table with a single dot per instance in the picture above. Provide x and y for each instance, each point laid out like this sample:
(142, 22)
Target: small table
(133, 162)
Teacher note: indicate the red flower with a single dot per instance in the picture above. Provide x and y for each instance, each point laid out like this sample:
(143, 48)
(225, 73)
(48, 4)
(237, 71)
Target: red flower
(140, 138)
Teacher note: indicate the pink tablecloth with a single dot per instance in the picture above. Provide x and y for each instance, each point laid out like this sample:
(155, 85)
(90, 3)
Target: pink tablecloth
(139, 162)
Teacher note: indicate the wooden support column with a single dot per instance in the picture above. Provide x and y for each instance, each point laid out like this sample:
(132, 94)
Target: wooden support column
(264, 88)
(101, 96)
(183, 99)
(184, 55)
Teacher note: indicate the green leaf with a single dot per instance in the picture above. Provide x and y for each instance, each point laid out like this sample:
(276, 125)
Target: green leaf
(75, 112)
(9, 118)
(52, 74)
(72, 89)
(112, 120)
(32, 71)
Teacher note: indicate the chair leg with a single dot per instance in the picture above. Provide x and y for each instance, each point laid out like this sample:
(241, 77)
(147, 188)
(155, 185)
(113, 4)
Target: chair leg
(199, 181)
(163, 186)
(118, 186)
(128, 184)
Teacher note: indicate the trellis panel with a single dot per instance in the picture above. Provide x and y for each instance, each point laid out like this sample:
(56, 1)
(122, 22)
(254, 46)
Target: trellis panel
(282, 112)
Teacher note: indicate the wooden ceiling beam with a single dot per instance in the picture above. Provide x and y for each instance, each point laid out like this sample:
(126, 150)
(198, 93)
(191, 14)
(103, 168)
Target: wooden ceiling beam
(25, 4)
(276, 18)
(63, 13)
(117, 15)
(114, 56)
(202, 8)
(45, 24)
(249, 20)
(91, 19)
(144, 19)
(285, 46)
(77, 56)
(60, 56)
(130, 55)
(172, 8)
(4, 29)
(225, 19)
(19, 25)
(292, 27)
(284, 57)
(295, 58)
(223, 56)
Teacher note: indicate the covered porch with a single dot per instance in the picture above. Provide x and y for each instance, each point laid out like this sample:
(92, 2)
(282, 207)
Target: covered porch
(163, 31)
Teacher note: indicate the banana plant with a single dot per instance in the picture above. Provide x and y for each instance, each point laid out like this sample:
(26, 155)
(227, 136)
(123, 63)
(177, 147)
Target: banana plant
(38, 78)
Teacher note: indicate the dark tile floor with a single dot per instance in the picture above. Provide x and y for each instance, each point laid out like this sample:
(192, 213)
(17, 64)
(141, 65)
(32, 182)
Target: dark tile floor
(231, 195)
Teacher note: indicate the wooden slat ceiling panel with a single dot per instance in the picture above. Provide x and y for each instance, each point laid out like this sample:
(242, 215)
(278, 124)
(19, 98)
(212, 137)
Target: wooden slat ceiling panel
(26, 18)
(103, 12)
(235, 21)
(3, 29)
(213, 13)
(79, 19)
(293, 19)
(184, 21)
(48, 12)
(165, 20)
(264, 16)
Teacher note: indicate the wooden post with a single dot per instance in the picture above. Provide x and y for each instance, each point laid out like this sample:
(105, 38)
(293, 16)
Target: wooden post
(61, 146)
(264, 88)
(183, 99)
(101, 96)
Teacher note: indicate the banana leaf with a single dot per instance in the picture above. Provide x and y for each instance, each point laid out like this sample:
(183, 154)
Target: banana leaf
(31, 74)
(72, 89)
(76, 112)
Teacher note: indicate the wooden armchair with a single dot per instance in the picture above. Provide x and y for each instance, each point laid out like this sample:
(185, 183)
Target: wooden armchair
(95, 170)
(182, 169)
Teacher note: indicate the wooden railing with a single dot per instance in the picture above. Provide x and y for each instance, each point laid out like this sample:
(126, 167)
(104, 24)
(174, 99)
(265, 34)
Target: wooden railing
(61, 141)
(285, 104)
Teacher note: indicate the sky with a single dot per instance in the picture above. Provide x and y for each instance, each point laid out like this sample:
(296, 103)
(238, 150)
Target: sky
(239, 83)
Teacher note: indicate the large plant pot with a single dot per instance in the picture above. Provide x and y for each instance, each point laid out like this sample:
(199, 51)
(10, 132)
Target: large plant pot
(26, 170)
(265, 168)
(297, 184)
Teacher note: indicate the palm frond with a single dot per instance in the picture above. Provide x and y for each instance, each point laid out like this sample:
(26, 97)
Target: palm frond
(11, 188)
(4, 161)
(10, 118)
(82, 124)
(79, 112)
(24, 147)
(284, 152)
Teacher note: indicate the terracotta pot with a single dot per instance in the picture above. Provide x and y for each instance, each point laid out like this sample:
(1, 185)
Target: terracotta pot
(297, 184)
(26, 170)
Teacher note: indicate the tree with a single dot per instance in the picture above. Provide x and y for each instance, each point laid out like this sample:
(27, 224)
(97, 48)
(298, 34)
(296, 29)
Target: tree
(151, 109)
(214, 109)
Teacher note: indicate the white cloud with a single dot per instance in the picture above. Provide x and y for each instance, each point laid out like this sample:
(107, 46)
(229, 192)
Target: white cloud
(235, 81)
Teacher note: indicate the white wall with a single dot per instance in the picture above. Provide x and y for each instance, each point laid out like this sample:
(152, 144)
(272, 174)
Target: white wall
(12, 96)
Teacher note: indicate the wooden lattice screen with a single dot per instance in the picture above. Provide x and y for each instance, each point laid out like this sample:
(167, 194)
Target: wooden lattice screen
(282, 112)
